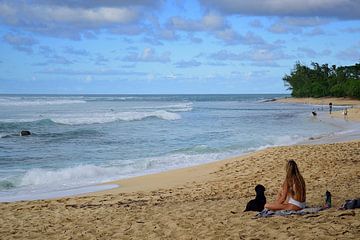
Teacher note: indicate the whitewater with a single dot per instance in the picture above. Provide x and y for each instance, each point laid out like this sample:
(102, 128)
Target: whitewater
(79, 141)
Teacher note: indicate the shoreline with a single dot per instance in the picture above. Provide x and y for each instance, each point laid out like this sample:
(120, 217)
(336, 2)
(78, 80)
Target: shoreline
(154, 181)
(179, 176)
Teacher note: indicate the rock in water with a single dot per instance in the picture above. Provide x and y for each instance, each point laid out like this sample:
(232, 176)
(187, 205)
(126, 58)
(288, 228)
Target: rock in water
(25, 133)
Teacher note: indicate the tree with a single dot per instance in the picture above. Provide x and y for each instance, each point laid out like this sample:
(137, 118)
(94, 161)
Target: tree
(321, 80)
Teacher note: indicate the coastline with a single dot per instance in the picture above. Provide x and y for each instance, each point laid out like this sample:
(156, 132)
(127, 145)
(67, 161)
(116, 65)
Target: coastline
(320, 101)
(181, 176)
(203, 201)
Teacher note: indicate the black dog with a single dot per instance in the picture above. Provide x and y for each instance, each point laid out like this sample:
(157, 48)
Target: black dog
(258, 203)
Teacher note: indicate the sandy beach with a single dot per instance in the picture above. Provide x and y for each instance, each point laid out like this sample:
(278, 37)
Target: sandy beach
(353, 109)
(203, 202)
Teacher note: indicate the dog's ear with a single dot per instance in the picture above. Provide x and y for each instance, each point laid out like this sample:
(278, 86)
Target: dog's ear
(259, 188)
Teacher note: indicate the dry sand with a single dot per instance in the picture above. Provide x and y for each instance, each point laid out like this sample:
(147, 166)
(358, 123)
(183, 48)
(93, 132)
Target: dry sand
(204, 202)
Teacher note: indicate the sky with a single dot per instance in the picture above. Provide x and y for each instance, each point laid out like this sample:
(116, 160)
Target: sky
(169, 47)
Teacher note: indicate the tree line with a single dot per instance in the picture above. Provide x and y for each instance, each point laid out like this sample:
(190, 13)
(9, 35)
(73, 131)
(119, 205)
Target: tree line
(324, 81)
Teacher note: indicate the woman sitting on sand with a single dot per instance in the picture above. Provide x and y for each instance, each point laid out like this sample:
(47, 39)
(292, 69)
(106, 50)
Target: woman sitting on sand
(292, 195)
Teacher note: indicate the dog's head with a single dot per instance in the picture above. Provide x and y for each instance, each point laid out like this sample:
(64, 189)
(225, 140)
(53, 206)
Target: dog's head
(259, 189)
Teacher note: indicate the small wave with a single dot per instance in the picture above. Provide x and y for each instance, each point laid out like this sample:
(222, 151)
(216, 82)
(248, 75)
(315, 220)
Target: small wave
(112, 117)
(67, 176)
(95, 118)
(198, 149)
(37, 102)
(274, 141)
(112, 98)
(180, 107)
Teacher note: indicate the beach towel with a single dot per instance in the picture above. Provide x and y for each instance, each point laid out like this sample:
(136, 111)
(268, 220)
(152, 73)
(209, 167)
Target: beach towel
(269, 213)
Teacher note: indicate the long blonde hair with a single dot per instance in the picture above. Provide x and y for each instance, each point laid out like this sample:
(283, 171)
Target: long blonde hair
(295, 181)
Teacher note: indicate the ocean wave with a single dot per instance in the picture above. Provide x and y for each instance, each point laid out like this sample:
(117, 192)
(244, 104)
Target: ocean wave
(274, 141)
(99, 118)
(89, 118)
(37, 102)
(68, 176)
(179, 107)
(198, 149)
(112, 98)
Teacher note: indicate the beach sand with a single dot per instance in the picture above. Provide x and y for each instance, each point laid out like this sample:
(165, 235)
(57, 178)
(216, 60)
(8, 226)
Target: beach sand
(206, 201)
(203, 202)
(353, 109)
(321, 101)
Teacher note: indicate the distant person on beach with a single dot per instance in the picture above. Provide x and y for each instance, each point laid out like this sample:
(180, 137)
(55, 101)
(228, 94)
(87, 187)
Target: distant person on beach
(345, 112)
(330, 107)
(292, 194)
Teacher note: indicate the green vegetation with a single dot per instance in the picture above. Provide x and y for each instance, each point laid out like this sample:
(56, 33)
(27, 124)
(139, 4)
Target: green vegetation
(324, 81)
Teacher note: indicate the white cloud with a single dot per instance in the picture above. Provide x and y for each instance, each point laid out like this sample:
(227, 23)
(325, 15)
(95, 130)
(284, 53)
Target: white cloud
(63, 19)
(217, 26)
(63, 14)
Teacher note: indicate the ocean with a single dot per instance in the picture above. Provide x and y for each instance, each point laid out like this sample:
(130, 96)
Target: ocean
(79, 141)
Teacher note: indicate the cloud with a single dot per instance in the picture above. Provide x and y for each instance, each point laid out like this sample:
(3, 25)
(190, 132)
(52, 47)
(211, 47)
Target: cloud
(73, 19)
(308, 52)
(216, 25)
(249, 75)
(73, 51)
(97, 3)
(231, 37)
(350, 54)
(342, 9)
(187, 64)
(194, 39)
(296, 25)
(209, 22)
(148, 55)
(157, 32)
(20, 43)
(255, 55)
(52, 57)
(352, 30)
(316, 32)
(100, 59)
(94, 72)
(256, 23)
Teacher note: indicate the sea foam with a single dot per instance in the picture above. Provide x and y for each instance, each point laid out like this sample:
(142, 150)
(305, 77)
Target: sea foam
(68, 176)
(97, 118)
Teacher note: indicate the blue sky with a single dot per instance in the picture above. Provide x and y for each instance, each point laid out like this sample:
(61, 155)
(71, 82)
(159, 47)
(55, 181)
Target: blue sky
(143, 46)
